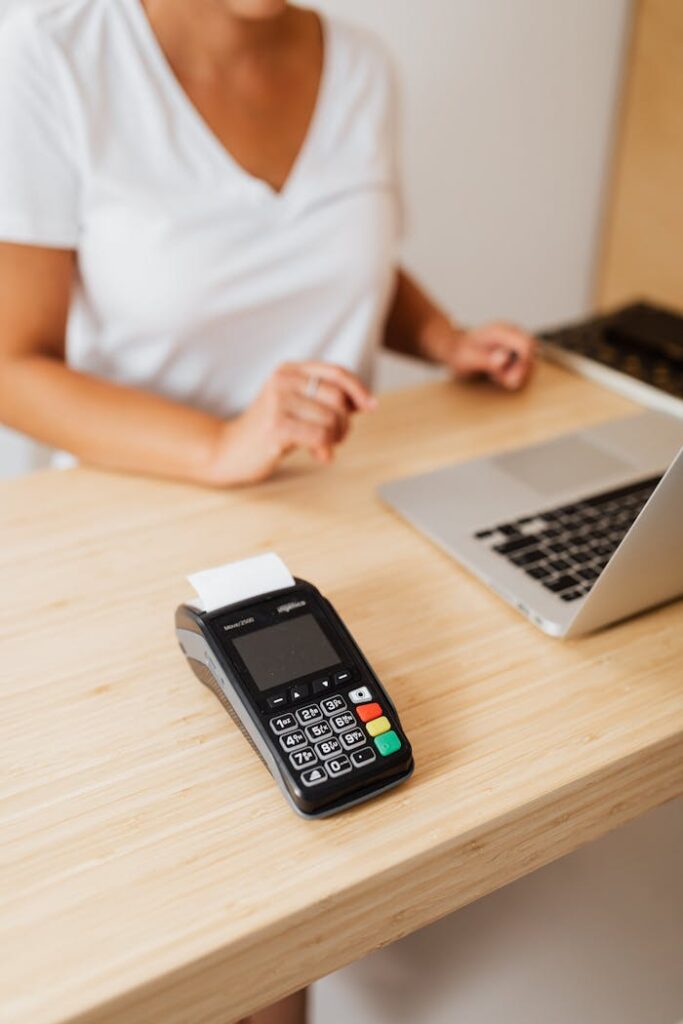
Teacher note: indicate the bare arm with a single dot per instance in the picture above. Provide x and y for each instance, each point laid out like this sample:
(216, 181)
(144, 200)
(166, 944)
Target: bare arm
(98, 421)
(415, 321)
(130, 429)
(418, 326)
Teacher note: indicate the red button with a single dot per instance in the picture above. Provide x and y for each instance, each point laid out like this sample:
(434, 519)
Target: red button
(366, 712)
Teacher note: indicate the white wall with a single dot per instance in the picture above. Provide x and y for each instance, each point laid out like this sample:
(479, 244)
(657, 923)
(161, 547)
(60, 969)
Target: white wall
(508, 115)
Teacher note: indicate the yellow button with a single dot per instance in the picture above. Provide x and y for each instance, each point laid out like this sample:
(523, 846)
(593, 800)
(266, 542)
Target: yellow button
(379, 725)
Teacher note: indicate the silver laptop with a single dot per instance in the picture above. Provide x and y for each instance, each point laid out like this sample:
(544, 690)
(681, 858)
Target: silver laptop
(576, 533)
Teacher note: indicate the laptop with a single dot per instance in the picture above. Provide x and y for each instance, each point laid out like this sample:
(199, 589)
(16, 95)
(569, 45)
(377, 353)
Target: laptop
(636, 350)
(577, 533)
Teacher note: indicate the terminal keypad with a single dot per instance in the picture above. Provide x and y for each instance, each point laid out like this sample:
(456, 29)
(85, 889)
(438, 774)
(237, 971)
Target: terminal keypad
(335, 736)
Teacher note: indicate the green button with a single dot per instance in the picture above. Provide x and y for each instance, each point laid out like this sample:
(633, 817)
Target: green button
(387, 743)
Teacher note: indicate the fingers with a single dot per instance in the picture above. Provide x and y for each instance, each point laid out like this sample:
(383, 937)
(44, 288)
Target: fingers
(513, 338)
(510, 355)
(515, 373)
(301, 433)
(321, 420)
(505, 367)
(329, 396)
(348, 383)
(332, 396)
(333, 418)
(472, 357)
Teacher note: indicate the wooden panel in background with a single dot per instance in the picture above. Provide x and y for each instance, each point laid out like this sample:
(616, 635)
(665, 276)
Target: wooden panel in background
(643, 243)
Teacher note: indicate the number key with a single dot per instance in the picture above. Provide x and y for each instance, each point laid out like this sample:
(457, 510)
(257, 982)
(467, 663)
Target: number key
(293, 741)
(343, 721)
(318, 731)
(283, 723)
(311, 713)
(338, 765)
(303, 758)
(328, 748)
(332, 705)
(353, 738)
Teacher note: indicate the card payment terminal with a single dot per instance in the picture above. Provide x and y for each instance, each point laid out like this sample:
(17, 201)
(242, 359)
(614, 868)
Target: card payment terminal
(281, 661)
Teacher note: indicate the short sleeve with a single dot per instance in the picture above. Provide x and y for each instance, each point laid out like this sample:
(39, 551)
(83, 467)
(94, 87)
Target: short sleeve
(39, 183)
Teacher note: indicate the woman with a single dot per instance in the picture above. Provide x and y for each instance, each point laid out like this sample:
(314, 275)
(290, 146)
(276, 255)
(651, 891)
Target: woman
(199, 215)
(198, 226)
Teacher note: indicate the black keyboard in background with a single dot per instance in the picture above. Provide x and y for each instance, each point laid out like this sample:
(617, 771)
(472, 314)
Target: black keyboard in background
(567, 548)
(641, 340)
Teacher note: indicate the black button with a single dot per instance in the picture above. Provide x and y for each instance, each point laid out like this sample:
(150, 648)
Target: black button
(364, 756)
(328, 748)
(283, 723)
(565, 582)
(343, 721)
(319, 731)
(512, 546)
(311, 713)
(343, 676)
(353, 738)
(528, 557)
(299, 692)
(303, 758)
(313, 776)
(277, 702)
(293, 741)
(549, 534)
(539, 572)
(338, 765)
(567, 510)
(332, 705)
(322, 685)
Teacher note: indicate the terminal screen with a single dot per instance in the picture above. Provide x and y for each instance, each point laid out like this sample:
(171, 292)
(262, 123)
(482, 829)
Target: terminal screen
(289, 650)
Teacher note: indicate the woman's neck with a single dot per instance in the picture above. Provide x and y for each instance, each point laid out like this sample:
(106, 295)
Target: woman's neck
(202, 35)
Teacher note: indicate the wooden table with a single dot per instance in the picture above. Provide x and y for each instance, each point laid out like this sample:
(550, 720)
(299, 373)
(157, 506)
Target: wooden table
(150, 871)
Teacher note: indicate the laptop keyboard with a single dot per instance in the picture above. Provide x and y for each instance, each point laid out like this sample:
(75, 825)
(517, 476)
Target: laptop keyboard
(567, 548)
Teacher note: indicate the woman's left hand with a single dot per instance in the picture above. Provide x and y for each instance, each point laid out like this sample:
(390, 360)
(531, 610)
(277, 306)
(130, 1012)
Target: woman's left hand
(500, 351)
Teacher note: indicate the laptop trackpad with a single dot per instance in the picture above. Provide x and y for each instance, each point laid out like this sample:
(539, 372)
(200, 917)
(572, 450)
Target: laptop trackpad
(566, 464)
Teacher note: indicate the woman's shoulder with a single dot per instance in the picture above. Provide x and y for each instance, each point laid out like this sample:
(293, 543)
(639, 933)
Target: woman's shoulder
(31, 27)
(361, 48)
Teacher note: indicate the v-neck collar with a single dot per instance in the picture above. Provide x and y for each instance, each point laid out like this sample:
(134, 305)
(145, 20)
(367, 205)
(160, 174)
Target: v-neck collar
(201, 125)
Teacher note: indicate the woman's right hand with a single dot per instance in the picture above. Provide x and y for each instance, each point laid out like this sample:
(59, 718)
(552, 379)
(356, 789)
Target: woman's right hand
(302, 405)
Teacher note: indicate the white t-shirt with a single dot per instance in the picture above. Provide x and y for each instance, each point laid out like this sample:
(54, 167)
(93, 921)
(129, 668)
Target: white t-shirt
(195, 279)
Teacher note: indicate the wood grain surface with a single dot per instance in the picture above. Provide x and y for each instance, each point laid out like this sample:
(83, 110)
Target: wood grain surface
(644, 223)
(150, 870)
